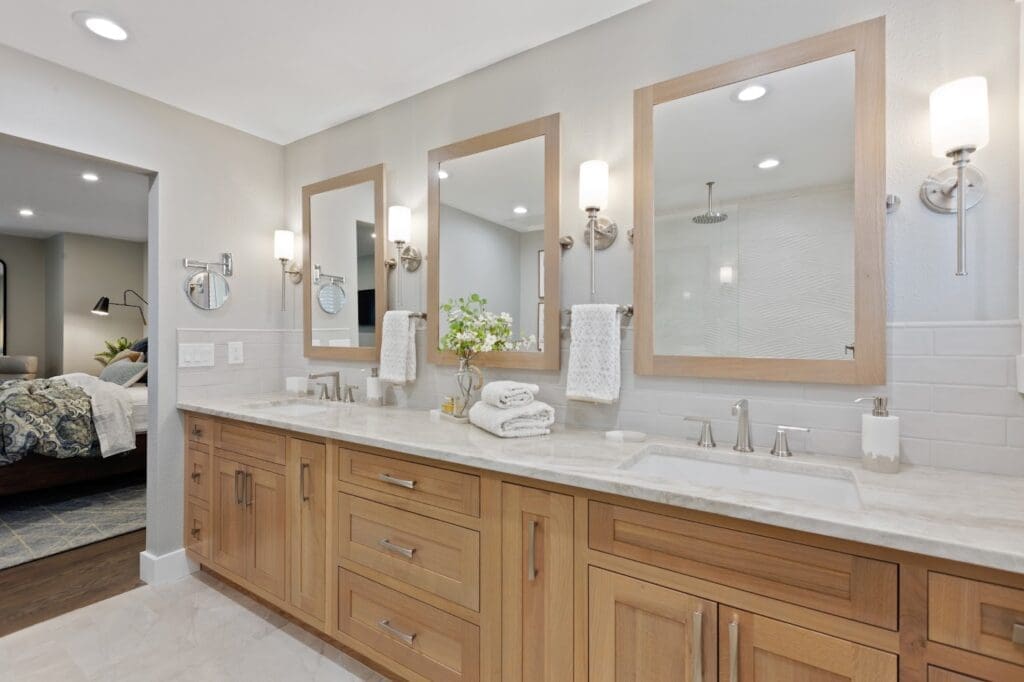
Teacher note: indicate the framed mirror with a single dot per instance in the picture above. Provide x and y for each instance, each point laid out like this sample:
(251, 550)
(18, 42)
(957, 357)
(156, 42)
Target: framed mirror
(3, 308)
(760, 213)
(493, 205)
(344, 277)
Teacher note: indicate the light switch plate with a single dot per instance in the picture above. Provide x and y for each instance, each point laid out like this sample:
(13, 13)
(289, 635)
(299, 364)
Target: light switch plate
(195, 355)
(235, 354)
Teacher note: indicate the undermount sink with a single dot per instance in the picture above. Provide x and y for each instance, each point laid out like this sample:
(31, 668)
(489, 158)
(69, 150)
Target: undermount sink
(753, 473)
(289, 408)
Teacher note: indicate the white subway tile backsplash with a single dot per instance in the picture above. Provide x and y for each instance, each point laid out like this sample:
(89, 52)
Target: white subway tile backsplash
(976, 340)
(910, 341)
(969, 371)
(1003, 401)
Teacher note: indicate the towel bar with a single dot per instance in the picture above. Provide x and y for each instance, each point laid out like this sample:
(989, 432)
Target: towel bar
(624, 310)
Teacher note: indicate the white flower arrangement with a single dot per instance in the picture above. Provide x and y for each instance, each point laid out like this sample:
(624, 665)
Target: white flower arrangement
(472, 329)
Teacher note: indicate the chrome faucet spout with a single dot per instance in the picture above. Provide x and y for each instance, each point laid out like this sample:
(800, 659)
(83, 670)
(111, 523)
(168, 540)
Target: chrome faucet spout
(741, 410)
(335, 379)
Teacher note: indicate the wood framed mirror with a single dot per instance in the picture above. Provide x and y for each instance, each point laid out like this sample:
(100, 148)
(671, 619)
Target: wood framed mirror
(493, 227)
(775, 271)
(344, 277)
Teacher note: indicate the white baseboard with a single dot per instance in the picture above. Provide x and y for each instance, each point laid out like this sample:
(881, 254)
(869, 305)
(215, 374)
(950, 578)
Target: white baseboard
(165, 568)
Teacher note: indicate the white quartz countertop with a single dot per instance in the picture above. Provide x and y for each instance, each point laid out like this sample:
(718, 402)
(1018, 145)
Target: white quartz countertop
(969, 517)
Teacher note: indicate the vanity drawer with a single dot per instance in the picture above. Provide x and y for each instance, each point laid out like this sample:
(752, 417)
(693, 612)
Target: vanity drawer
(433, 643)
(250, 440)
(842, 584)
(197, 474)
(432, 555)
(426, 484)
(197, 528)
(943, 675)
(980, 617)
(199, 429)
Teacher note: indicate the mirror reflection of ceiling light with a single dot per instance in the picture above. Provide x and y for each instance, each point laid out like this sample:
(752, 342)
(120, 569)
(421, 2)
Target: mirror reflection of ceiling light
(519, 210)
(751, 93)
(26, 213)
(100, 25)
(90, 177)
(373, 235)
(442, 175)
(769, 163)
(725, 274)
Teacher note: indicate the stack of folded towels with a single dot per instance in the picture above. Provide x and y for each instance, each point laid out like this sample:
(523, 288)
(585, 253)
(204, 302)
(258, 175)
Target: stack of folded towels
(509, 409)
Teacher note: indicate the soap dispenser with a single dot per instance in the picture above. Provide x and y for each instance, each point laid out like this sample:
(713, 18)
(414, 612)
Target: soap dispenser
(880, 437)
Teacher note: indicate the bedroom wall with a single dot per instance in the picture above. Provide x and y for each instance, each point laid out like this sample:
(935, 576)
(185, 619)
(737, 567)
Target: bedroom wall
(26, 296)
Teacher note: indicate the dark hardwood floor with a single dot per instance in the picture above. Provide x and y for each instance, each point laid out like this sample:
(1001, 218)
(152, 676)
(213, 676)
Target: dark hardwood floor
(48, 587)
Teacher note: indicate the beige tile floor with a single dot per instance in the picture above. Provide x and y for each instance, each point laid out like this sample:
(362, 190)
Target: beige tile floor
(196, 629)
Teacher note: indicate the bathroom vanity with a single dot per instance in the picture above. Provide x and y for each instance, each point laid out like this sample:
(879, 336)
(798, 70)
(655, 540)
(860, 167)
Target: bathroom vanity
(440, 552)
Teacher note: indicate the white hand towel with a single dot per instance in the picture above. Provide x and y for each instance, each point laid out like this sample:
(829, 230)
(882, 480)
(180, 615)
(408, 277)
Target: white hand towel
(595, 373)
(508, 393)
(534, 419)
(398, 348)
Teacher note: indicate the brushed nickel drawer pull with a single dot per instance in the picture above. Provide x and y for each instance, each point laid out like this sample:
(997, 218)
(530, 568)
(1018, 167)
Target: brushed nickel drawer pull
(1018, 633)
(407, 552)
(195, 531)
(386, 626)
(303, 469)
(195, 472)
(734, 651)
(698, 646)
(238, 494)
(531, 569)
(401, 482)
(250, 490)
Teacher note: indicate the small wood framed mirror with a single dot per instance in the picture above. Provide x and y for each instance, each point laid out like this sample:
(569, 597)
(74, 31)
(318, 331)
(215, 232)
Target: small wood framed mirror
(493, 231)
(344, 277)
(760, 215)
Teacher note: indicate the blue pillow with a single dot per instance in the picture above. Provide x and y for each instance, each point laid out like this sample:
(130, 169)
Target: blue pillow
(141, 346)
(124, 372)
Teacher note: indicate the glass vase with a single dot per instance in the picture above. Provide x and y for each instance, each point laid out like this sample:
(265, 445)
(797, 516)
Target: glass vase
(468, 379)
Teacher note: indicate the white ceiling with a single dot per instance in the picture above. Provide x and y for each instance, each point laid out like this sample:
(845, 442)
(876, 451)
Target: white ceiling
(284, 70)
(49, 181)
(490, 184)
(805, 120)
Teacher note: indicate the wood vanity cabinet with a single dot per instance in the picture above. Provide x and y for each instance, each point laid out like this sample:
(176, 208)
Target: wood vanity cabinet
(307, 523)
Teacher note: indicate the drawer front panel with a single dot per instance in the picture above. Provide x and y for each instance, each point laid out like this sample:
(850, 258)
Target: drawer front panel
(426, 484)
(433, 643)
(977, 616)
(199, 429)
(943, 675)
(432, 555)
(197, 529)
(833, 582)
(198, 477)
(250, 440)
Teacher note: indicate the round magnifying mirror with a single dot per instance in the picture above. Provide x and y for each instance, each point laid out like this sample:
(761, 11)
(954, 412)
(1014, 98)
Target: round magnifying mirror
(331, 297)
(207, 290)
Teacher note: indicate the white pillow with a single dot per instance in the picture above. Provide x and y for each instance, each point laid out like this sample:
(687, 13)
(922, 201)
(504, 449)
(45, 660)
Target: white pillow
(124, 372)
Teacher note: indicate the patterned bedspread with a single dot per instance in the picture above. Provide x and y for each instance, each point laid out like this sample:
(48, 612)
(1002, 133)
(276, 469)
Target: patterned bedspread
(46, 417)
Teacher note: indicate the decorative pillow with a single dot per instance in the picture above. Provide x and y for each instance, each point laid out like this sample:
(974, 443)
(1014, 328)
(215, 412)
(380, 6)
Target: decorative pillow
(127, 354)
(124, 373)
(141, 346)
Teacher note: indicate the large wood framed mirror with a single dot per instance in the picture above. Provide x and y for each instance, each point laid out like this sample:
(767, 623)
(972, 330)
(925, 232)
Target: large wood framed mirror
(344, 278)
(493, 231)
(775, 271)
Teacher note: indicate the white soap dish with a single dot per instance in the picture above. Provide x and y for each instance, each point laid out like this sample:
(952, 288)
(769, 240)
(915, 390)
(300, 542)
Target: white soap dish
(625, 436)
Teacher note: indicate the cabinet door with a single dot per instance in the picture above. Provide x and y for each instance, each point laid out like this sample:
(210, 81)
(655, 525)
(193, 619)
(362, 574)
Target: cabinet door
(640, 632)
(230, 537)
(537, 585)
(265, 501)
(761, 649)
(307, 518)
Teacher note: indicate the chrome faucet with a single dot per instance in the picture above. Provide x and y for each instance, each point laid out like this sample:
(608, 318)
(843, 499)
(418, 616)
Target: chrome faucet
(336, 376)
(741, 410)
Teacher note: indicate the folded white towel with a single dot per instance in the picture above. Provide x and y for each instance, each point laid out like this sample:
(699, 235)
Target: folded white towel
(534, 419)
(398, 347)
(594, 373)
(508, 393)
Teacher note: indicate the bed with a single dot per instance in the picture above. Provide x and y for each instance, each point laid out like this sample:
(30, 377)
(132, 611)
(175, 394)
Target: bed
(38, 472)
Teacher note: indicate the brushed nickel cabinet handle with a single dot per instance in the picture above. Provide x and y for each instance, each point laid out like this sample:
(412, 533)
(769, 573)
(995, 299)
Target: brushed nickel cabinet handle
(407, 552)
(195, 530)
(734, 651)
(238, 493)
(302, 481)
(401, 482)
(250, 490)
(1018, 633)
(195, 472)
(698, 646)
(386, 626)
(196, 431)
(531, 569)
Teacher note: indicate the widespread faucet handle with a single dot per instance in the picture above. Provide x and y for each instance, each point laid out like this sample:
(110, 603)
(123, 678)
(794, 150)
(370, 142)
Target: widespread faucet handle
(706, 439)
(739, 405)
(781, 447)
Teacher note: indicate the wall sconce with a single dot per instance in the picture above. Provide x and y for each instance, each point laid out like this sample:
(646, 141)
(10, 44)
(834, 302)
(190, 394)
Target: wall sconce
(284, 251)
(959, 127)
(601, 232)
(399, 232)
(102, 306)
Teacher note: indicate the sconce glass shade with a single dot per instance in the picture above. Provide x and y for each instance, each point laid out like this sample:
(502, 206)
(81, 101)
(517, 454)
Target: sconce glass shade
(959, 115)
(102, 306)
(593, 185)
(399, 224)
(284, 244)
(725, 274)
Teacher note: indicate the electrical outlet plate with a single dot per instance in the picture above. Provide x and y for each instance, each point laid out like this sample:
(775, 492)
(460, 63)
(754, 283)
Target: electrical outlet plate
(235, 353)
(195, 355)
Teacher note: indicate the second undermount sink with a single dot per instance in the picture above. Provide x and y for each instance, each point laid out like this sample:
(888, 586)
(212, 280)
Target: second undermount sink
(754, 473)
(289, 408)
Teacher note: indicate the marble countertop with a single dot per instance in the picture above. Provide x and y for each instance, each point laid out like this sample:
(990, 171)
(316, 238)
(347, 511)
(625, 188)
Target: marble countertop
(969, 517)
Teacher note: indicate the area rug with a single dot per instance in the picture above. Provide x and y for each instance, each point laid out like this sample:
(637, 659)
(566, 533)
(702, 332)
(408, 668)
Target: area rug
(41, 524)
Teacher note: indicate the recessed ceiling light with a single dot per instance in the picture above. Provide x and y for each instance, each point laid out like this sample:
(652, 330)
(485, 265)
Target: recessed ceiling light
(442, 174)
(90, 177)
(519, 210)
(100, 25)
(751, 92)
(768, 163)
(26, 213)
